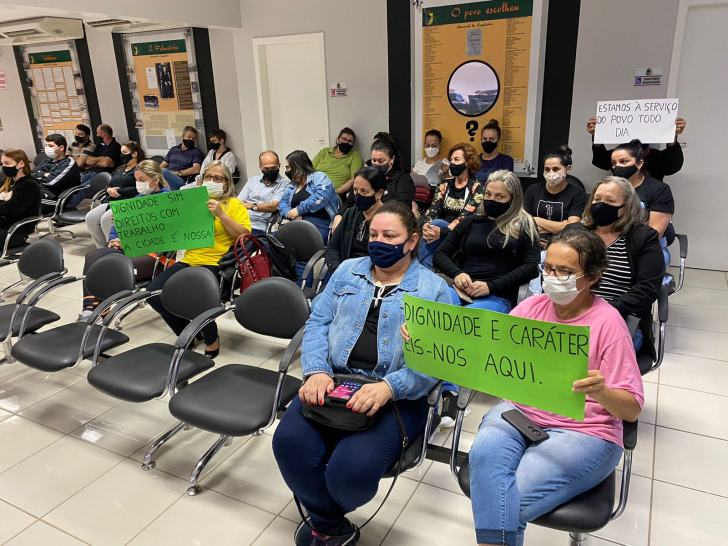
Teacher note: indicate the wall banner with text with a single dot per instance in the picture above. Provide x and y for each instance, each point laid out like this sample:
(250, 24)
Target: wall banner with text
(476, 59)
(531, 362)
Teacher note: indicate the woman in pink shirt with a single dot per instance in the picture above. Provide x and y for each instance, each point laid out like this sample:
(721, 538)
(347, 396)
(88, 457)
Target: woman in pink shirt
(513, 482)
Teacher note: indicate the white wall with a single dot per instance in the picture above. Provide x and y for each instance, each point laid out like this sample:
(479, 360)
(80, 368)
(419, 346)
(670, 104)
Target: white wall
(355, 37)
(615, 38)
(16, 132)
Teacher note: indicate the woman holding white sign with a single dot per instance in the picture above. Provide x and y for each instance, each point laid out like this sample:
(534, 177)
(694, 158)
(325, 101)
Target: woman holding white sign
(512, 481)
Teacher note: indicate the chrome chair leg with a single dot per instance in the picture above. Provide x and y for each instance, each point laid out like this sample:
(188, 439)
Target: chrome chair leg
(53, 231)
(123, 315)
(577, 539)
(148, 463)
(7, 346)
(194, 488)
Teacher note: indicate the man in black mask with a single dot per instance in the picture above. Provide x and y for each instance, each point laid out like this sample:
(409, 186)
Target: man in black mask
(82, 143)
(183, 161)
(261, 194)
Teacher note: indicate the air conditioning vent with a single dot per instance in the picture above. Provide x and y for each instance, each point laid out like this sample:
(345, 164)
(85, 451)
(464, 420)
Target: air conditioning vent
(40, 30)
(24, 32)
(108, 23)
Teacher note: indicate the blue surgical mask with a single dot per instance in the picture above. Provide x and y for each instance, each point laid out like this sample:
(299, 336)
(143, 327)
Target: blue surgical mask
(385, 255)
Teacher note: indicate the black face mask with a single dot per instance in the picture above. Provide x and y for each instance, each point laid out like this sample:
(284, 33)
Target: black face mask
(345, 147)
(213, 145)
(272, 175)
(80, 141)
(125, 158)
(494, 209)
(489, 146)
(625, 172)
(383, 168)
(289, 174)
(11, 172)
(98, 140)
(604, 214)
(189, 144)
(457, 169)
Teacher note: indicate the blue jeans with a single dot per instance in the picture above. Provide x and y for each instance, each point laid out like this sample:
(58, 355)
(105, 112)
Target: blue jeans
(77, 197)
(174, 181)
(427, 250)
(334, 472)
(666, 254)
(512, 482)
(322, 225)
(637, 341)
(489, 303)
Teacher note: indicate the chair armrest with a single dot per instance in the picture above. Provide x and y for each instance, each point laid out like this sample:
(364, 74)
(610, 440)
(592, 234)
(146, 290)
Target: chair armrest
(311, 264)
(522, 292)
(195, 326)
(633, 324)
(14, 228)
(629, 434)
(683, 241)
(106, 304)
(662, 304)
(40, 281)
(434, 395)
(63, 197)
(464, 398)
(291, 349)
(134, 298)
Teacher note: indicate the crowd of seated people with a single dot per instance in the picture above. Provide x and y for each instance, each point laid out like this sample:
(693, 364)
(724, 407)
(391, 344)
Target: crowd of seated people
(597, 258)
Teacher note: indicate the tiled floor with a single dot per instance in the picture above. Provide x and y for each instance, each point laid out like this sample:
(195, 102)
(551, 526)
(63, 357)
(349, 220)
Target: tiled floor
(70, 456)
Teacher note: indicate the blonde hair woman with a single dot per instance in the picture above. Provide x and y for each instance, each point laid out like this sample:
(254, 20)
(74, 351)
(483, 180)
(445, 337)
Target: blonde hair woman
(231, 221)
(491, 253)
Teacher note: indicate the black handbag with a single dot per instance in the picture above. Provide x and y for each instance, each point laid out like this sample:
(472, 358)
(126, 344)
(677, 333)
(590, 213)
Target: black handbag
(336, 415)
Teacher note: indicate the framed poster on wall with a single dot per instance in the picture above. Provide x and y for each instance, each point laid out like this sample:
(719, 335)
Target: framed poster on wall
(53, 79)
(163, 84)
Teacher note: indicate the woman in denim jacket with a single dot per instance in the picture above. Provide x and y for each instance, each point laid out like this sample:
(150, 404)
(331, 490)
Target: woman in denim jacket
(310, 196)
(354, 328)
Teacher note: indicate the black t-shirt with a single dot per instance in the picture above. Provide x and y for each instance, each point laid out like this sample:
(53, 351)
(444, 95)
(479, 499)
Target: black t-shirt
(299, 197)
(360, 244)
(453, 203)
(485, 257)
(538, 202)
(364, 355)
(111, 150)
(656, 196)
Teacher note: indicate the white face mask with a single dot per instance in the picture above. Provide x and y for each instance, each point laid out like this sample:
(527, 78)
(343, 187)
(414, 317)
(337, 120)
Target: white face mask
(561, 292)
(50, 152)
(214, 189)
(554, 179)
(143, 188)
(432, 152)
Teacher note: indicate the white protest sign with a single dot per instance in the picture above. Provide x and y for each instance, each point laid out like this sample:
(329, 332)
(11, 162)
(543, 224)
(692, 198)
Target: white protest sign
(650, 120)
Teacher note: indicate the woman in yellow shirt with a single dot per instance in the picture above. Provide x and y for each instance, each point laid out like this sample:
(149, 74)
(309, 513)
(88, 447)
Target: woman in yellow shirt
(231, 221)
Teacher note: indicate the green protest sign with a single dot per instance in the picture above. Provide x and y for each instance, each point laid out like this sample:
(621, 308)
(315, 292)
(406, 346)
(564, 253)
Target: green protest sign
(528, 361)
(166, 221)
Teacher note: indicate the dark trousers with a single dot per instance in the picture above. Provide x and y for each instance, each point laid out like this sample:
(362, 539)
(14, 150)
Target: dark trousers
(177, 324)
(144, 266)
(333, 472)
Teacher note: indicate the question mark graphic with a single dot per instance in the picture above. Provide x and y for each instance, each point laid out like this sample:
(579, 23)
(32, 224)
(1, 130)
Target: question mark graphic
(472, 127)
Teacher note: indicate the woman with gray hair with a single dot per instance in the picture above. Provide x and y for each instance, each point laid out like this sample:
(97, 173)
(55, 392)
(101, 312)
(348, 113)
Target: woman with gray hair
(231, 221)
(492, 252)
(633, 278)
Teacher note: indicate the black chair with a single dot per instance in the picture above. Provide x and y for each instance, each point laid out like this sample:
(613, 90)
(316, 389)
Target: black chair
(306, 239)
(574, 181)
(98, 186)
(158, 159)
(9, 253)
(673, 286)
(644, 355)
(111, 278)
(585, 513)
(43, 263)
(39, 158)
(236, 399)
(143, 373)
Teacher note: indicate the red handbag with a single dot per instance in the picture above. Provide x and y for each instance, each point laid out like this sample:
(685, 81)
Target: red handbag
(253, 266)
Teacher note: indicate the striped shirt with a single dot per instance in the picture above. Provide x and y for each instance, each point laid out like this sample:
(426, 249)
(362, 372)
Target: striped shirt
(617, 278)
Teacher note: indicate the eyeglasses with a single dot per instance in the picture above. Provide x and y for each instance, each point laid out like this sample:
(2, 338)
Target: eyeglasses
(561, 273)
(215, 177)
(428, 146)
(346, 140)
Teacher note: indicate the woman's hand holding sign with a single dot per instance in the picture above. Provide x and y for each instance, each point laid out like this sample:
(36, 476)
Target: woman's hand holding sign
(214, 206)
(620, 403)
(115, 243)
(594, 385)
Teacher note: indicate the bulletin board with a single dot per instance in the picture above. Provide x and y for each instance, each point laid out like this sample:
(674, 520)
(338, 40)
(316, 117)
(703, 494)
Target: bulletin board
(164, 87)
(477, 61)
(53, 77)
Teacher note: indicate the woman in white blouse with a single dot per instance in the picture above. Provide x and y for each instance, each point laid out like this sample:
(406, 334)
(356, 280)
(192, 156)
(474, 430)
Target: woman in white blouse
(430, 165)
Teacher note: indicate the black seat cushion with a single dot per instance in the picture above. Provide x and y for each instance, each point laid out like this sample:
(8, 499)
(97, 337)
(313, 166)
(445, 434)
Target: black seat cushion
(57, 349)
(37, 319)
(309, 292)
(234, 400)
(644, 361)
(140, 374)
(76, 216)
(413, 450)
(585, 513)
